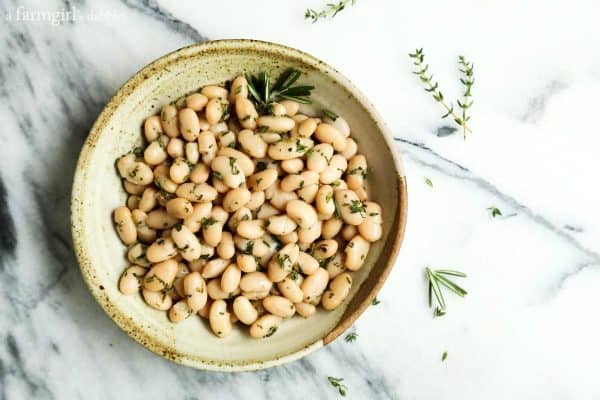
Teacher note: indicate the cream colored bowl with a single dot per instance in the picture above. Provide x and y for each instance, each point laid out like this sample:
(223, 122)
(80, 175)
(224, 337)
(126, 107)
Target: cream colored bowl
(97, 191)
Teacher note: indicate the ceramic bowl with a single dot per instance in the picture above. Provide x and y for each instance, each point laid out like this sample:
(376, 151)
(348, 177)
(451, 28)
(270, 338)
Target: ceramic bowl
(97, 191)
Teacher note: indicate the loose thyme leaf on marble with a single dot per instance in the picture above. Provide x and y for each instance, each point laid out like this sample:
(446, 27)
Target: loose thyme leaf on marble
(375, 301)
(337, 383)
(428, 182)
(351, 337)
(444, 356)
(431, 86)
(330, 10)
(439, 277)
(494, 212)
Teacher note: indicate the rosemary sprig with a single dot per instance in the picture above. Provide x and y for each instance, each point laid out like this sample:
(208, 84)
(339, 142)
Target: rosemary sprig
(433, 87)
(436, 278)
(264, 92)
(337, 383)
(330, 10)
(467, 80)
(330, 114)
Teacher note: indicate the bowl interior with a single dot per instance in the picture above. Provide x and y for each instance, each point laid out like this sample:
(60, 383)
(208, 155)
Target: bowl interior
(98, 191)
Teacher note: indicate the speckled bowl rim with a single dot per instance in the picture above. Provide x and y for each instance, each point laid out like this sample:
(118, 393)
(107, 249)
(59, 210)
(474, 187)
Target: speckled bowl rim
(197, 50)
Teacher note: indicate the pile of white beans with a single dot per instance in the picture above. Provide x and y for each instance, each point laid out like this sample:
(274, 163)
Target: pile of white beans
(250, 218)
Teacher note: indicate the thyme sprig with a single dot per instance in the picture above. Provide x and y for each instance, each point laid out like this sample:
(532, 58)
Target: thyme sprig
(431, 86)
(337, 383)
(330, 10)
(467, 80)
(264, 92)
(438, 277)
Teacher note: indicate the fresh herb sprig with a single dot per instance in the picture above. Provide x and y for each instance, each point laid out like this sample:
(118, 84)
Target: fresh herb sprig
(440, 277)
(330, 10)
(431, 86)
(264, 92)
(467, 80)
(337, 383)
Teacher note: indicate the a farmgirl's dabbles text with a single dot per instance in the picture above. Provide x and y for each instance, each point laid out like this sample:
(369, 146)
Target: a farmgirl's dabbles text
(246, 216)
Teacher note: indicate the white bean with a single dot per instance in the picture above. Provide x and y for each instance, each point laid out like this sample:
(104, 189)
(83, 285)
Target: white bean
(152, 128)
(291, 107)
(230, 280)
(244, 310)
(239, 89)
(236, 199)
(196, 101)
(226, 248)
(255, 282)
(314, 285)
(157, 300)
(335, 266)
(130, 281)
(263, 179)
(189, 124)
(290, 290)
(292, 166)
(352, 210)
(276, 123)
(302, 213)
(339, 288)
(162, 249)
(179, 311)
(219, 319)
(160, 219)
(246, 113)
(175, 148)
(160, 276)
(245, 163)
(305, 309)
(287, 149)
(251, 229)
(356, 252)
(246, 262)
(125, 225)
(214, 92)
(265, 326)
(170, 122)
(214, 268)
(318, 158)
(179, 207)
(194, 221)
(252, 144)
(326, 133)
(187, 243)
(280, 306)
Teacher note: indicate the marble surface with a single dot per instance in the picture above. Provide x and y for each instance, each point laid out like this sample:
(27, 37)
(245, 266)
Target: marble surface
(527, 329)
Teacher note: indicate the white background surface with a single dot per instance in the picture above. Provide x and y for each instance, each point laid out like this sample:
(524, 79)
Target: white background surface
(527, 329)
